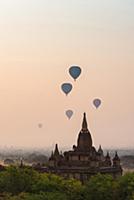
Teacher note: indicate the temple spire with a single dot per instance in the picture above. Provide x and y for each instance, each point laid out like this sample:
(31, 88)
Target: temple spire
(100, 151)
(84, 123)
(56, 151)
(84, 142)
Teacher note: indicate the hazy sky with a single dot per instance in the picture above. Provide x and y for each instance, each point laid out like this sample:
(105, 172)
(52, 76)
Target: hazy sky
(39, 40)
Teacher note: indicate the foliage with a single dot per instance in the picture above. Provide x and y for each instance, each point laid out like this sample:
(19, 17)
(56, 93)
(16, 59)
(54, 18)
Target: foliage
(41, 196)
(16, 180)
(126, 189)
(101, 187)
(26, 184)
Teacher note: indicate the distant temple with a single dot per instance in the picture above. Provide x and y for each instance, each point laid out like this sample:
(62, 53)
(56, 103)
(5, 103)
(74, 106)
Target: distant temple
(84, 160)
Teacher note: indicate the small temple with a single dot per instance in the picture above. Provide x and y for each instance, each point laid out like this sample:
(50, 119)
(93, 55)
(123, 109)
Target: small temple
(84, 160)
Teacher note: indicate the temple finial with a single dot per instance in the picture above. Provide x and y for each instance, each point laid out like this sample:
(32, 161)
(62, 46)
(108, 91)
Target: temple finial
(84, 124)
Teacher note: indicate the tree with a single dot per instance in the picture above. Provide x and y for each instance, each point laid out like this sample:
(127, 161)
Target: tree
(101, 187)
(16, 180)
(52, 183)
(126, 187)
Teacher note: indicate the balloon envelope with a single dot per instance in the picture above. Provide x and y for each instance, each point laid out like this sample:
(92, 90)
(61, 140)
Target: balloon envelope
(66, 88)
(69, 113)
(97, 103)
(75, 72)
(40, 125)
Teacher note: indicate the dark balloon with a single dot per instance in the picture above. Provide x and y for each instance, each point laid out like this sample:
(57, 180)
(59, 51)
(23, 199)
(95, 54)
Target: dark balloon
(75, 72)
(40, 125)
(66, 88)
(69, 113)
(97, 103)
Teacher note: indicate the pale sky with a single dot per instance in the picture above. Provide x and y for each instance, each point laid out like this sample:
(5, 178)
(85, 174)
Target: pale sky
(39, 41)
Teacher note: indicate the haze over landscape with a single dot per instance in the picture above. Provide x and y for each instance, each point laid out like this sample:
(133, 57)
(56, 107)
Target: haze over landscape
(39, 41)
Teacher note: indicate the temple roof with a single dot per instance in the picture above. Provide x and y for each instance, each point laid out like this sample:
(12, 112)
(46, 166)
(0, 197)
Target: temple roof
(116, 158)
(56, 151)
(84, 142)
(100, 150)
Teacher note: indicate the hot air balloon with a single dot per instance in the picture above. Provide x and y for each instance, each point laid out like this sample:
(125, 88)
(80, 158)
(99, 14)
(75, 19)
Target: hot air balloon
(66, 88)
(40, 125)
(75, 72)
(97, 103)
(69, 114)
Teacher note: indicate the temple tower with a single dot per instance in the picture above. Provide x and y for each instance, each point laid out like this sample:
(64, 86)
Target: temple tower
(84, 142)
